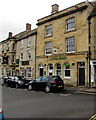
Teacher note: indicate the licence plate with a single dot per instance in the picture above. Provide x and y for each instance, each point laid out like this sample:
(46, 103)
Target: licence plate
(60, 86)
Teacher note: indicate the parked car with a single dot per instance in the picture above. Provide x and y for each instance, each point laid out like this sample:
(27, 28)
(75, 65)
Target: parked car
(1, 114)
(47, 83)
(15, 81)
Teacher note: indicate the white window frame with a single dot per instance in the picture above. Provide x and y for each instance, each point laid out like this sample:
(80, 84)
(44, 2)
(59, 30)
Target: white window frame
(2, 72)
(48, 30)
(70, 24)
(29, 72)
(0, 60)
(48, 46)
(70, 45)
(21, 56)
(7, 46)
(29, 41)
(2, 47)
(29, 53)
(66, 69)
(13, 59)
(22, 42)
(58, 69)
(22, 72)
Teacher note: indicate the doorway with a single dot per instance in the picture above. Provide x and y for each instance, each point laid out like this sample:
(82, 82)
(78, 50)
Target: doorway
(41, 70)
(81, 73)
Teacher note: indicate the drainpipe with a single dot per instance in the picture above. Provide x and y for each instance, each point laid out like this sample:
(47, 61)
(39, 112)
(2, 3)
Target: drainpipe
(35, 54)
(89, 52)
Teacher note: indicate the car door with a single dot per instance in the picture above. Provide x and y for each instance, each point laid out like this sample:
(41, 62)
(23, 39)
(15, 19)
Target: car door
(43, 82)
(36, 83)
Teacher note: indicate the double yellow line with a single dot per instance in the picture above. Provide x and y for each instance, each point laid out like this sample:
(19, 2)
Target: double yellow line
(90, 93)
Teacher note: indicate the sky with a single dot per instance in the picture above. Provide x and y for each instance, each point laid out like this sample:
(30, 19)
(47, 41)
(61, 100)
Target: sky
(14, 14)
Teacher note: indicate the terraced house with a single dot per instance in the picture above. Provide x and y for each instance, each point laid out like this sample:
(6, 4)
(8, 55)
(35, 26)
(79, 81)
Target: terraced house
(64, 46)
(25, 53)
(8, 53)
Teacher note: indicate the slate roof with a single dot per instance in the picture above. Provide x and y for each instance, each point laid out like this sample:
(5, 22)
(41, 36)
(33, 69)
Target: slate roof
(26, 34)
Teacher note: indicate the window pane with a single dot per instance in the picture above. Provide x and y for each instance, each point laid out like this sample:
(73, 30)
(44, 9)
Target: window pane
(48, 30)
(48, 47)
(70, 44)
(67, 73)
(70, 24)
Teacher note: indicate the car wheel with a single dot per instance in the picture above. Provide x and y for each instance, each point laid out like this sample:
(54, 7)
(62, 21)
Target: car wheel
(6, 84)
(16, 86)
(30, 87)
(47, 89)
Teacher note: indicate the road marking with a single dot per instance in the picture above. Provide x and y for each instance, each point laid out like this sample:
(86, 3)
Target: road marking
(90, 93)
(93, 117)
(65, 94)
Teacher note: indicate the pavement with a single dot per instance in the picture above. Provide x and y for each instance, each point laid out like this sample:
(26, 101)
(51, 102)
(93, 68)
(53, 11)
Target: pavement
(80, 89)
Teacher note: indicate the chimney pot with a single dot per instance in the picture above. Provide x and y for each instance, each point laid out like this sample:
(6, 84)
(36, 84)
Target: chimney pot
(55, 8)
(28, 26)
(10, 34)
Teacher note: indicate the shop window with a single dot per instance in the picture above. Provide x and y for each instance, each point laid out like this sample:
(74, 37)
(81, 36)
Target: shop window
(29, 72)
(50, 69)
(67, 71)
(70, 24)
(48, 48)
(23, 72)
(7, 72)
(3, 72)
(58, 70)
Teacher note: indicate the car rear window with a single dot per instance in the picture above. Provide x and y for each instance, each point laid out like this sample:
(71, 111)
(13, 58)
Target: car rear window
(56, 78)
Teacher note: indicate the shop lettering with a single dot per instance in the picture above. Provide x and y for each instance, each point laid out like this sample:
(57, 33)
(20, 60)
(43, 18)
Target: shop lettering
(58, 58)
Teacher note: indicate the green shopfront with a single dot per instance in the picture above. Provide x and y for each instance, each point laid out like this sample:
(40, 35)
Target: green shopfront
(70, 68)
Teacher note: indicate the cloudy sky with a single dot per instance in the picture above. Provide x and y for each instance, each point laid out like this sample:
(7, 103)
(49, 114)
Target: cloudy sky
(14, 14)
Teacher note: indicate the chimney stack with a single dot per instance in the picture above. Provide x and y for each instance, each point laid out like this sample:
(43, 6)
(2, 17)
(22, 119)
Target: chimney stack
(55, 8)
(28, 27)
(10, 34)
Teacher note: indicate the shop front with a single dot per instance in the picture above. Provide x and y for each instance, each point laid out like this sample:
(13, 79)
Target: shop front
(73, 70)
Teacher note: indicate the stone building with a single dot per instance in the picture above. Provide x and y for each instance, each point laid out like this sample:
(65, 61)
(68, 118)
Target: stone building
(8, 52)
(92, 41)
(63, 44)
(25, 53)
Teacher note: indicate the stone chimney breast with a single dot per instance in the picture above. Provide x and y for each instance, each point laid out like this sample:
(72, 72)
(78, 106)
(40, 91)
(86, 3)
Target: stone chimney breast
(55, 8)
(28, 27)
